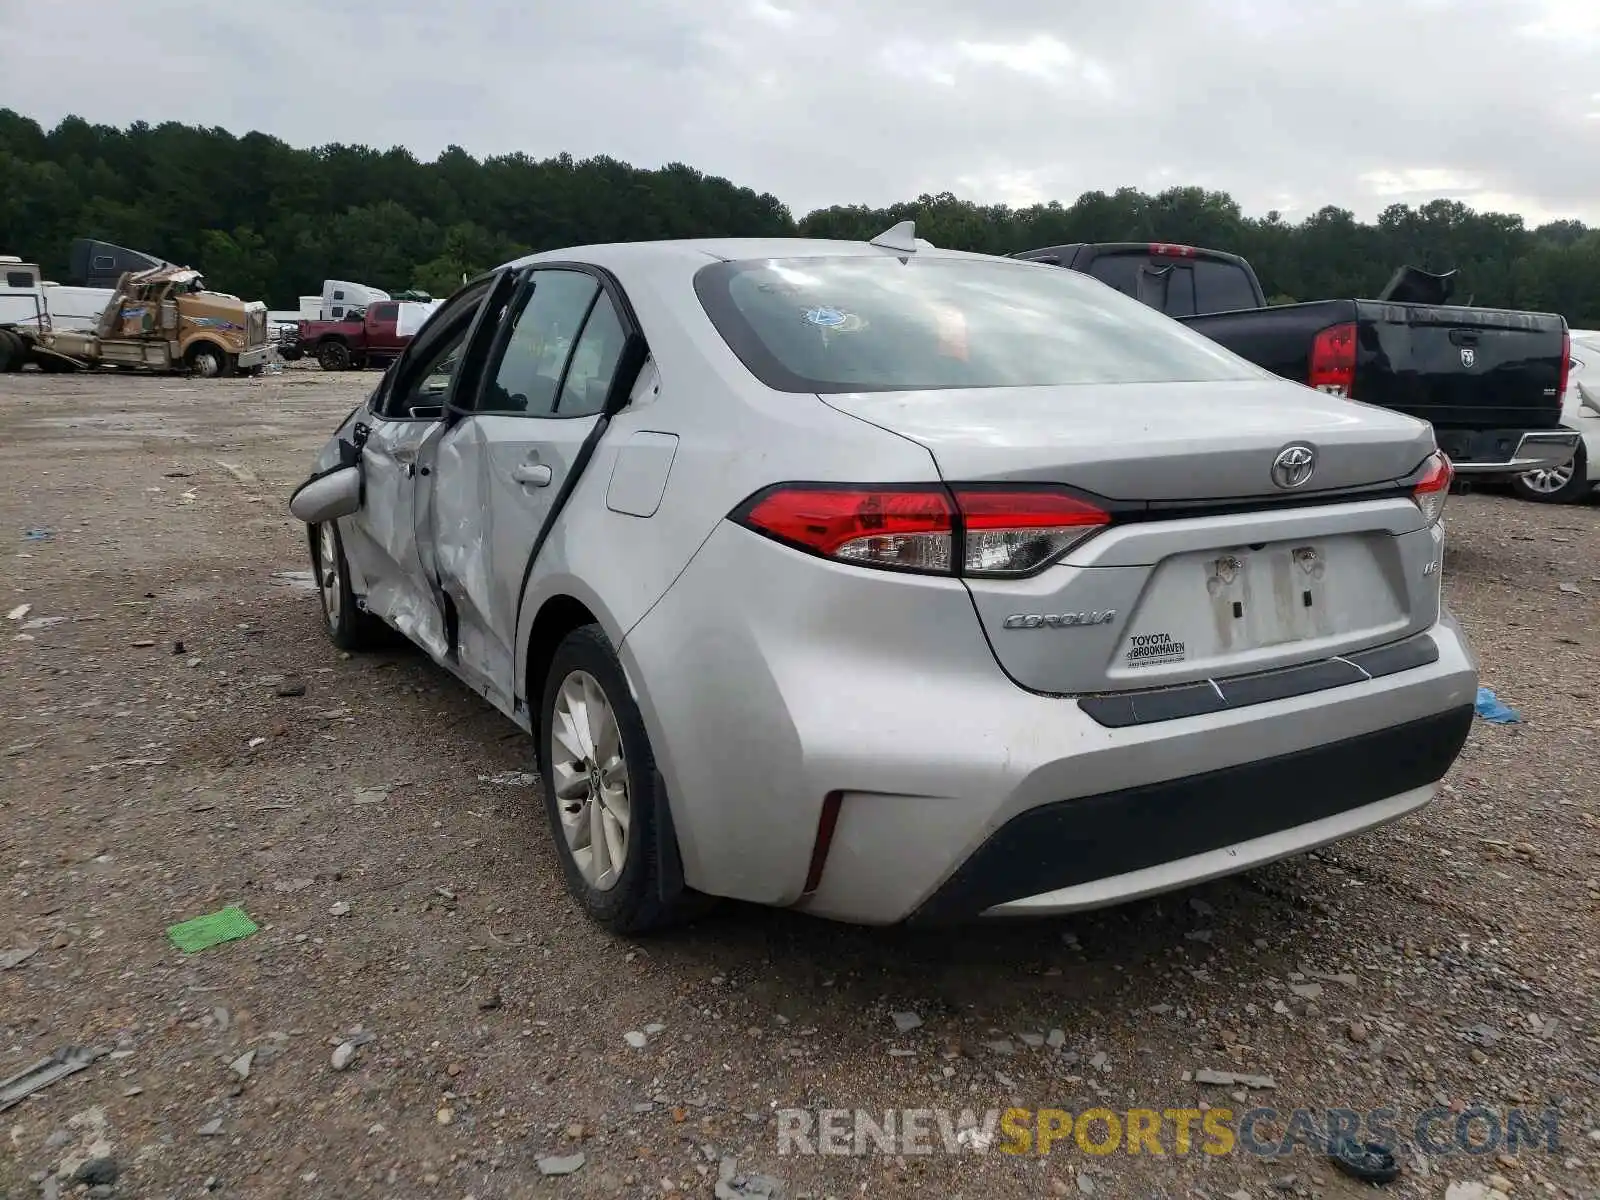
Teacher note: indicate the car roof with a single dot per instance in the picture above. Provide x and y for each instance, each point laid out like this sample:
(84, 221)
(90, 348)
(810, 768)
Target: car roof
(692, 253)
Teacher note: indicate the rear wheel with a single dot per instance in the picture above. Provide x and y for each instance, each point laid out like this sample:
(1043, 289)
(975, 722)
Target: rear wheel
(333, 356)
(601, 791)
(208, 361)
(348, 626)
(13, 351)
(1556, 485)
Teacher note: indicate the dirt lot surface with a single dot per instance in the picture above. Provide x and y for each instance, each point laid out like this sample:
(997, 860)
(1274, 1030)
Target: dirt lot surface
(178, 736)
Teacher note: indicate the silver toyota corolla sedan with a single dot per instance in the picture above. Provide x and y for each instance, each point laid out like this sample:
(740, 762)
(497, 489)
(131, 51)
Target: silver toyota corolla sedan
(896, 584)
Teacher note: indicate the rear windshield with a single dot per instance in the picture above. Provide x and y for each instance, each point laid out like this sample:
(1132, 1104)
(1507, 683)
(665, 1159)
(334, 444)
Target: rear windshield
(871, 323)
(1222, 287)
(1178, 288)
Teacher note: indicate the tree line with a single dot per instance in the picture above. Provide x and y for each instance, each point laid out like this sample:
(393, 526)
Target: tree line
(265, 220)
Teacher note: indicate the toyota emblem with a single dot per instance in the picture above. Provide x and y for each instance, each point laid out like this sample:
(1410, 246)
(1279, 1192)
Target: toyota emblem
(1294, 466)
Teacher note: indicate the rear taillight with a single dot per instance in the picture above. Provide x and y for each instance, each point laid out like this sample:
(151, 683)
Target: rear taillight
(1434, 489)
(906, 529)
(1169, 250)
(1016, 531)
(963, 530)
(1333, 360)
(1566, 366)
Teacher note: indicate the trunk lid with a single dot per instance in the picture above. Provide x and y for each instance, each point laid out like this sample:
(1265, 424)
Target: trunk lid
(1167, 441)
(1203, 575)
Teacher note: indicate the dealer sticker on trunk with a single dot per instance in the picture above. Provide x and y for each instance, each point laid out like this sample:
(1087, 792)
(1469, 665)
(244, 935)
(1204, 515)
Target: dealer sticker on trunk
(1153, 649)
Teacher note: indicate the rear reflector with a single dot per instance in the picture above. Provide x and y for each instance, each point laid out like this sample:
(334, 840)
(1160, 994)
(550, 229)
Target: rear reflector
(968, 530)
(1430, 495)
(1333, 360)
(827, 822)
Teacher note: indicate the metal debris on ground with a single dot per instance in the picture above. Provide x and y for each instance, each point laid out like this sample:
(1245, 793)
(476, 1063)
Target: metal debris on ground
(1234, 1079)
(68, 1060)
(201, 933)
(37, 535)
(511, 779)
(733, 1186)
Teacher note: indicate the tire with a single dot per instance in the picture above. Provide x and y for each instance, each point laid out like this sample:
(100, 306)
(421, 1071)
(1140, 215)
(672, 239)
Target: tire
(292, 354)
(1568, 485)
(348, 627)
(333, 356)
(13, 352)
(628, 900)
(209, 361)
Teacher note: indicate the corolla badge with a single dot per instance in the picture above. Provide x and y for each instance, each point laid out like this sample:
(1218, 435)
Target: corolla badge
(1059, 620)
(1294, 466)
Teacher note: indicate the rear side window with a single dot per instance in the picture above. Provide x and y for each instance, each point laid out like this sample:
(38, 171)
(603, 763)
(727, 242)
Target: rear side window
(882, 323)
(1221, 287)
(385, 312)
(19, 279)
(593, 364)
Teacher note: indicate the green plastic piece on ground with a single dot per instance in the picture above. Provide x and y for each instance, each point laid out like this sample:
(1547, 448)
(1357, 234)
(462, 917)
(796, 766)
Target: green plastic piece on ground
(227, 925)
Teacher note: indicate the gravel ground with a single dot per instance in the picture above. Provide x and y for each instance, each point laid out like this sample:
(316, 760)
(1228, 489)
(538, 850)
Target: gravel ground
(178, 736)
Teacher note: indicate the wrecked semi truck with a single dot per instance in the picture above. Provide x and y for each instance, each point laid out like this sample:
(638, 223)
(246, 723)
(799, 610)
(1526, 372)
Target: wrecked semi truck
(160, 319)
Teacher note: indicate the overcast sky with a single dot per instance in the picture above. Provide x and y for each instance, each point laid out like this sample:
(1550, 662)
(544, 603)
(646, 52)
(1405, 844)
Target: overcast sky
(1287, 104)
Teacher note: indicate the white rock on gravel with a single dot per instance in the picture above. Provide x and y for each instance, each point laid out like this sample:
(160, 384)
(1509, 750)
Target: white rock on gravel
(561, 1164)
(905, 1022)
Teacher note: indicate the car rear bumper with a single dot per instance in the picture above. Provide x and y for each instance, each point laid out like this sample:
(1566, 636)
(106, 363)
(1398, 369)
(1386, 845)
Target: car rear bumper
(783, 693)
(1507, 451)
(1107, 848)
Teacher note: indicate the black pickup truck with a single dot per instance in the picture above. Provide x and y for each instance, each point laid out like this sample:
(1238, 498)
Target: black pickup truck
(1490, 381)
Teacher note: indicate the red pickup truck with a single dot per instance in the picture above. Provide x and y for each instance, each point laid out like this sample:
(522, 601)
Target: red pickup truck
(361, 338)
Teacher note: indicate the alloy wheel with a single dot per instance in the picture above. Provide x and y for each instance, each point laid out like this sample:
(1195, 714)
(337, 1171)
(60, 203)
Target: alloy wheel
(590, 779)
(1548, 480)
(328, 579)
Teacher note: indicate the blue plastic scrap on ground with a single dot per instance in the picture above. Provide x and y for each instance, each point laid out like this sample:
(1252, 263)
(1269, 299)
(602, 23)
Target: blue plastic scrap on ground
(1490, 709)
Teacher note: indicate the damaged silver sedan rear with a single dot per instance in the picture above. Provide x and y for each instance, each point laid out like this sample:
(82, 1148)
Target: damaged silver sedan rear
(891, 583)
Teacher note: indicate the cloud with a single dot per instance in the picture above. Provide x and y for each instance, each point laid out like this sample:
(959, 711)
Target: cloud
(1286, 105)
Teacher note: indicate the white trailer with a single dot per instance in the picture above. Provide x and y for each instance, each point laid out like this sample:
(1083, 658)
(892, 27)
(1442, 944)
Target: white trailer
(27, 300)
(340, 296)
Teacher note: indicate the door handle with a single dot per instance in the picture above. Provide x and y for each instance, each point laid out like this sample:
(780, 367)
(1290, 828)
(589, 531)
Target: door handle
(532, 474)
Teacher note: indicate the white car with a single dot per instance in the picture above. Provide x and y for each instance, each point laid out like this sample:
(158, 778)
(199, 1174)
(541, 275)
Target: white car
(1580, 410)
(892, 583)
